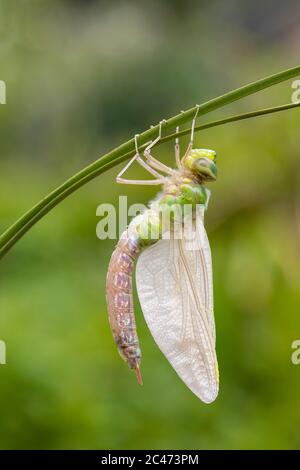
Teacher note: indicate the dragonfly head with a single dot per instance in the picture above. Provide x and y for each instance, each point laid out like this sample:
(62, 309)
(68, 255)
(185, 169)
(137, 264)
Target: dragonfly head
(202, 162)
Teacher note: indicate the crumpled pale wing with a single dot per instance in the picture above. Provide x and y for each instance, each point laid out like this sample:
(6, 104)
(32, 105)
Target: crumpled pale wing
(174, 283)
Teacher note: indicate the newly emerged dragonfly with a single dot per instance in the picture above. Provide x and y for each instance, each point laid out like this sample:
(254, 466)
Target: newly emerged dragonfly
(174, 282)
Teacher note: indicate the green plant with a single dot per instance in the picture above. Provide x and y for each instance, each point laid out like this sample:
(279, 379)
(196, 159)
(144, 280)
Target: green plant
(126, 150)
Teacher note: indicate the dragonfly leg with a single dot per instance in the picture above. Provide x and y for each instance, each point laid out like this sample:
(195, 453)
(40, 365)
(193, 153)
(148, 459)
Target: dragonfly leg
(159, 178)
(157, 164)
(177, 151)
(141, 182)
(190, 146)
(148, 167)
(152, 160)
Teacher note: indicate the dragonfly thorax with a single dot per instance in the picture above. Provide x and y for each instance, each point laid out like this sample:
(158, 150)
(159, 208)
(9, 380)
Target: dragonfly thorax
(184, 187)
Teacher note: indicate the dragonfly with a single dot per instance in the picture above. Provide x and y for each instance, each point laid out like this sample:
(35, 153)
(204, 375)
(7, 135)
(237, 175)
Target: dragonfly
(174, 282)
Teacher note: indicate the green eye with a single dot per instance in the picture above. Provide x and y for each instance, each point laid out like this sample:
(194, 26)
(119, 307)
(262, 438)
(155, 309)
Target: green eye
(202, 161)
(206, 168)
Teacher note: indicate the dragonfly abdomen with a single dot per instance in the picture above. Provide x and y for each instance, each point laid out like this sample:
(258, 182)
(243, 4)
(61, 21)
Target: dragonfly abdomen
(120, 299)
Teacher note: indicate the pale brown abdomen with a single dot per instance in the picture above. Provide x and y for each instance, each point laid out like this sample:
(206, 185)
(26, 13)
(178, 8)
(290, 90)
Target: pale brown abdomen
(120, 300)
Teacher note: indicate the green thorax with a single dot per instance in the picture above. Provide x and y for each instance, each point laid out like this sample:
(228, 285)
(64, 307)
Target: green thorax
(172, 205)
(185, 189)
(183, 192)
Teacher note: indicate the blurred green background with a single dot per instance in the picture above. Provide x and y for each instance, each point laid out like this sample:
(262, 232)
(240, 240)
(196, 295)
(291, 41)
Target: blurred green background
(82, 77)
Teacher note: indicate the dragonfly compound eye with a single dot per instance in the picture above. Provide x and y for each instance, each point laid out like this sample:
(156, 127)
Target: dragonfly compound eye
(203, 163)
(206, 168)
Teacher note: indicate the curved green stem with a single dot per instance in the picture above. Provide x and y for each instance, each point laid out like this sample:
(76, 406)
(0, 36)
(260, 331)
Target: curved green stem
(126, 150)
(237, 117)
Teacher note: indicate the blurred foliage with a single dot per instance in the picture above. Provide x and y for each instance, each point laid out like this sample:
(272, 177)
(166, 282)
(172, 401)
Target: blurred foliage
(82, 76)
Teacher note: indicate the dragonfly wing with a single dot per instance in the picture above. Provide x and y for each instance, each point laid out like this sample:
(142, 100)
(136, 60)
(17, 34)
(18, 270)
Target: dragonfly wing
(174, 283)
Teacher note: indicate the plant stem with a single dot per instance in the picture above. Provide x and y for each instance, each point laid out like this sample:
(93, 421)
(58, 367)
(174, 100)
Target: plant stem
(236, 117)
(126, 150)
